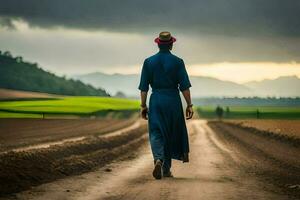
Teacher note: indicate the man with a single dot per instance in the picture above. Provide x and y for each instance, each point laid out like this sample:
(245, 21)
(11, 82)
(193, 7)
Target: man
(168, 135)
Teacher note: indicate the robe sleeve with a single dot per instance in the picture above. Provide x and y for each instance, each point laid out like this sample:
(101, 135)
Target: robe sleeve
(144, 81)
(183, 78)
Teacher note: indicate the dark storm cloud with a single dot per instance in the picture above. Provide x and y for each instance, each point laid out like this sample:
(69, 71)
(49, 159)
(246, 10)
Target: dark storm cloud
(225, 17)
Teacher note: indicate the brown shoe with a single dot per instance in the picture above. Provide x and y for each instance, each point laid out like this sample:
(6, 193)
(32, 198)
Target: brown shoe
(157, 171)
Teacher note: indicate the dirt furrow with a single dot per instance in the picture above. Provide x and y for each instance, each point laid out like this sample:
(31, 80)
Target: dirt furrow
(269, 158)
(21, 170)
(16, 133)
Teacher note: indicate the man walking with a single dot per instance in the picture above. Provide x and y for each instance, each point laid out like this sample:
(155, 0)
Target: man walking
(166, 74)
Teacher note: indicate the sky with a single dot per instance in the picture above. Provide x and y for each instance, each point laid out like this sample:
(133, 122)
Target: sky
(236, 40)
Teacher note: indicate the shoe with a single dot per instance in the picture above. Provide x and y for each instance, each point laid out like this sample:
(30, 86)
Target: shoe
(157, 171)
(168, 174)
(185, 157)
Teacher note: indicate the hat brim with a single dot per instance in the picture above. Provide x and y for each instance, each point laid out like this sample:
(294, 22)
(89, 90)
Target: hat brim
(158, 41)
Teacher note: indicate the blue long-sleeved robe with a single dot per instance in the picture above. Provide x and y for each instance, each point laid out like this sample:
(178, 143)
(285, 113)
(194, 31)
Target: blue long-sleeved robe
(166, 74)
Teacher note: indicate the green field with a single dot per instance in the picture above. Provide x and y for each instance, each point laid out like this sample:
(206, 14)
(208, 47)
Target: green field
(250, 112)
(83, 106)
(100, 106)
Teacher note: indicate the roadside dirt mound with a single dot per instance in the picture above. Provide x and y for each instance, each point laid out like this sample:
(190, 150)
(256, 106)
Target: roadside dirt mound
(21, 170)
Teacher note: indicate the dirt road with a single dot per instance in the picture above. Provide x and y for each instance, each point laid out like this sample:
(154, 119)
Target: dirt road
(221, 166)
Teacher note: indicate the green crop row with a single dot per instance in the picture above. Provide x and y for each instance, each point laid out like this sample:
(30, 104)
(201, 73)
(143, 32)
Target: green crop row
(69, 105)
(243, 112)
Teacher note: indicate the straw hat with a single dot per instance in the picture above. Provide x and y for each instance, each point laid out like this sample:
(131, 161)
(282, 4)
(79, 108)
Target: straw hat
(165, 37)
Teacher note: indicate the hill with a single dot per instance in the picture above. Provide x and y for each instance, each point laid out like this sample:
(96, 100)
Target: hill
(287, 86)
(212, 87)
(114, 83)
(202, 86)
(19, 75)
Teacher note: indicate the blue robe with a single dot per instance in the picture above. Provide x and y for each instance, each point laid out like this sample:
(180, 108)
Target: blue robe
(166, 74)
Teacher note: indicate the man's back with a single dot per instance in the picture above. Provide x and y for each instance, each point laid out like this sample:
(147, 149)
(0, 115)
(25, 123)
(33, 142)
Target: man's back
(164, 70)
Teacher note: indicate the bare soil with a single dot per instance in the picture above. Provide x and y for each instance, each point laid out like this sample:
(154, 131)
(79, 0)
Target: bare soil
(226, 162)
(22, 169)
(23, 132)
(16, 94)
(288, 128)
(273, 159)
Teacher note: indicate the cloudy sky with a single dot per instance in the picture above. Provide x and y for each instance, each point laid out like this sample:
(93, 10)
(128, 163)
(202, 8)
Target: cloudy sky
(238, 40)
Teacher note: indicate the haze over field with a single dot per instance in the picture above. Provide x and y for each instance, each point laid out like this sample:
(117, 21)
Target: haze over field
(202, 86)
(240, 41)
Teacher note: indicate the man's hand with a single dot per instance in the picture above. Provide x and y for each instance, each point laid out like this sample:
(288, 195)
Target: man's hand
(189, 109)
(189, 112)
(144, 113)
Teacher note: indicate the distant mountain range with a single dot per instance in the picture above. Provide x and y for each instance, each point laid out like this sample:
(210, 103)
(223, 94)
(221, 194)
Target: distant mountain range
(113, 83)
(20, 75)
(288, 86)
(285, 86)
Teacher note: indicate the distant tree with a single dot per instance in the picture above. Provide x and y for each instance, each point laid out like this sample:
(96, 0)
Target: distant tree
(19, 59)
(219, 112)
(7, 54)
(227, 111)
(35, 65)
(257, 114)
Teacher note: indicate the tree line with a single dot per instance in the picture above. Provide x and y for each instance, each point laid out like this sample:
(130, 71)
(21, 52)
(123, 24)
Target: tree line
(248, 101)
(20, 75)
